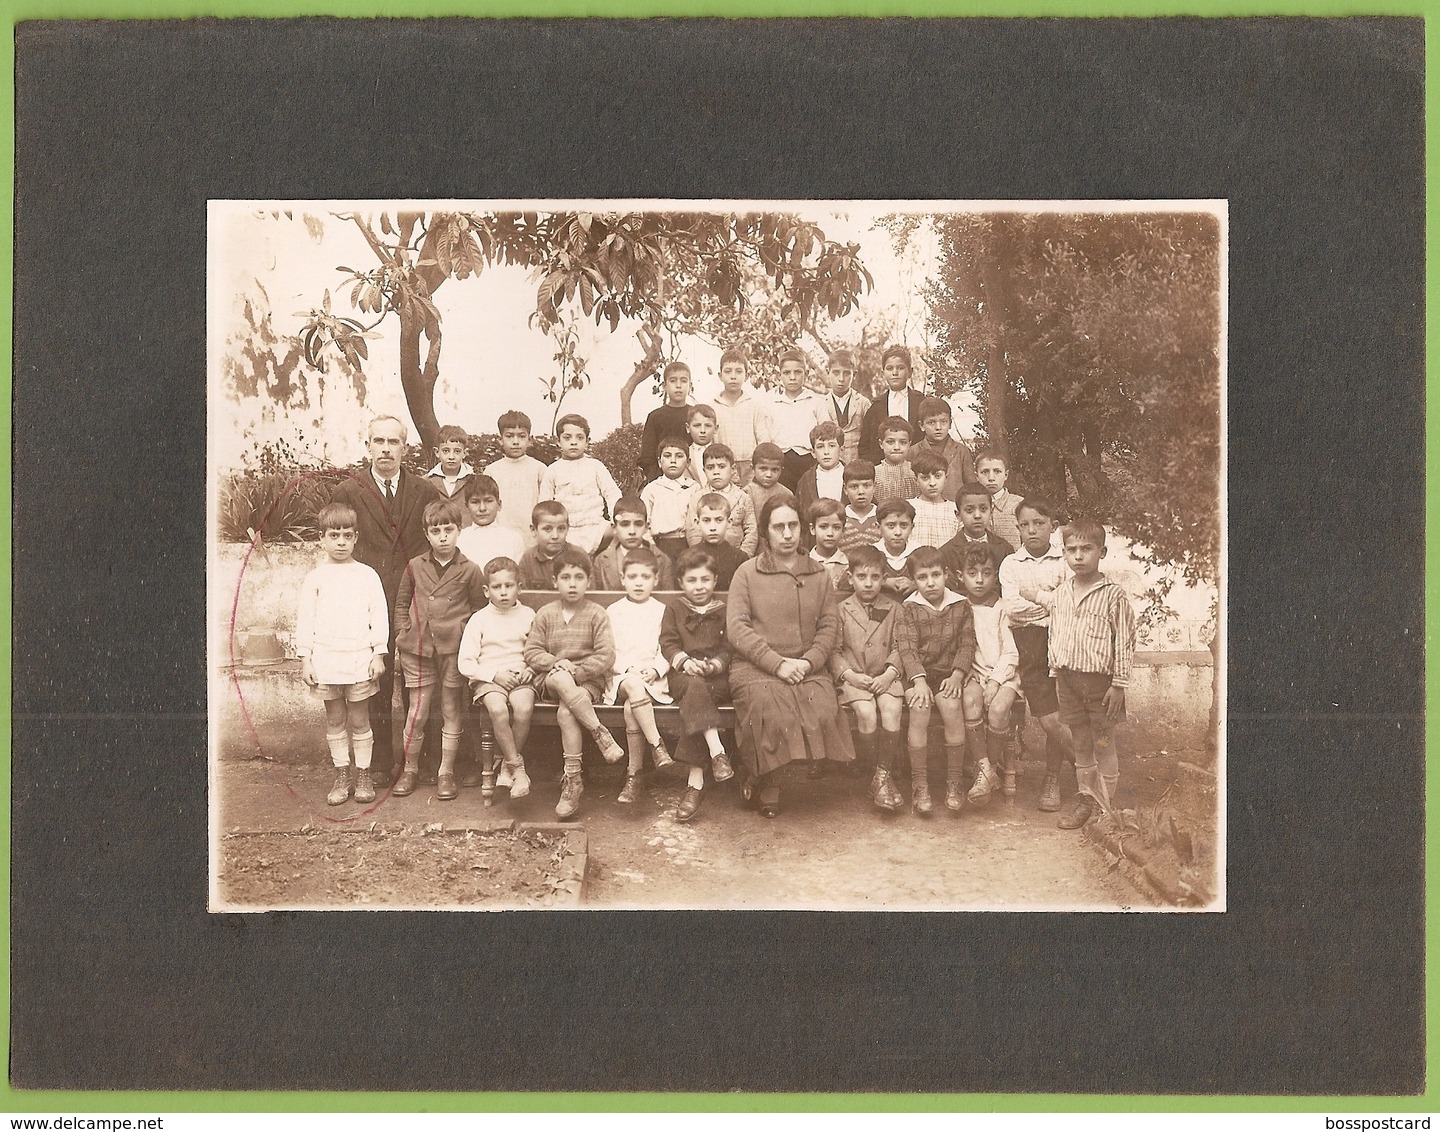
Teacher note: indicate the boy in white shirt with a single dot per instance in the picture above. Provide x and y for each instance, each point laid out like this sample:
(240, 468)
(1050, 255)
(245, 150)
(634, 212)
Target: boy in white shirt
(794, 411)
(701, 424)
(668, 497)
(638, 680)
(342, 633)
(741, 414)
(492, 658)
(485, 538)
(517, 474)
(847, 406)
(993, 683)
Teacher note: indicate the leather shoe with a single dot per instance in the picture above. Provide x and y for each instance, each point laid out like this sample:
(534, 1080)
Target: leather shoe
(446, 788)
(689, 804)
(405, 784)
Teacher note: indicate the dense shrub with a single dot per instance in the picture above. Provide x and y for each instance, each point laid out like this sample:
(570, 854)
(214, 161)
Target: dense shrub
(275, 506)
(620, 452)
(278, 501)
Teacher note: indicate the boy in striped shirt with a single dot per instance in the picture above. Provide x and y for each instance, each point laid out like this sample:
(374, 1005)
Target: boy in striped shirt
(1092, 644)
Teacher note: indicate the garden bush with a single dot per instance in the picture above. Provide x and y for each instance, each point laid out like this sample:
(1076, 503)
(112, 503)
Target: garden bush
(279, 500)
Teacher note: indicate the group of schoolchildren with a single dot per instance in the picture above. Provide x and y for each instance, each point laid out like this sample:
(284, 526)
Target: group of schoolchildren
(955, 596)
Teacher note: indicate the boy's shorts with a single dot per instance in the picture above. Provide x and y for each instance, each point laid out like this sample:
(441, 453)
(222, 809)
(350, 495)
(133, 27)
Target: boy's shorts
(982, 684)
(427, 671)
(937, 676)
(1082, 699)
(350, 693)
(594, 689)
(852, 695)
(480, 691)
(1032, 642)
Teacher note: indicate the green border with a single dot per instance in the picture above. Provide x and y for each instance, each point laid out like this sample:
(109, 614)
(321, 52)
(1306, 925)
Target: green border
(58, 1101)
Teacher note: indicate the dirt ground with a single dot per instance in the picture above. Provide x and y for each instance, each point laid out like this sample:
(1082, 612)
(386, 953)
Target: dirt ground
(399, 866)
(828, 849)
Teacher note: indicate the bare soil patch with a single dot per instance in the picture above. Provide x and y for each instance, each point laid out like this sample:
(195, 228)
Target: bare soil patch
(400, 866)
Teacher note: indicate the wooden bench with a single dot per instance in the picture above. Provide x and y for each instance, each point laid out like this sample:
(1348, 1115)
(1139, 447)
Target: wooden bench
(667, 716)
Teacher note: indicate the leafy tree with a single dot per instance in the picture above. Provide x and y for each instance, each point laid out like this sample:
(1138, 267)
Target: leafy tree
(1092, 342)
(638, 265)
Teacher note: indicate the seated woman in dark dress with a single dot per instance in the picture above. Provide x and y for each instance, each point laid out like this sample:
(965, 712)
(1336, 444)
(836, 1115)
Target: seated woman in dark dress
(783, 623)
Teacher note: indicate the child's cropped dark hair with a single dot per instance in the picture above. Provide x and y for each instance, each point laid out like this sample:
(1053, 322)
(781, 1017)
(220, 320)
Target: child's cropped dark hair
(928, 558)
(441, 511)
(857, 471)
(719, 452)
(572, 556)
(693, 558)
(501, 565)
(702, 410)
(926, 463)
(894, 507)
(336, 516)
(734, 355)
(977, 555)
(573, 419)
(629, 505)
(969, 489)
(992, 454)
(842, 357)
(895, 424)
(482, 487)
(822, 507)
(825, 430)
(452, 432)
(866, 558)
(642, 556)
(1038, 505)
(901, 352)
(794, 356)
(674, 367)
(713, 501)
(548, 509)
(672, 442)
(935, 407)
(767, 453)
(1083, 529)
(513, 418)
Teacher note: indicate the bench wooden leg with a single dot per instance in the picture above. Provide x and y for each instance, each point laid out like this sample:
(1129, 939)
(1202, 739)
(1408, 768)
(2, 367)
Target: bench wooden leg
(485, 742)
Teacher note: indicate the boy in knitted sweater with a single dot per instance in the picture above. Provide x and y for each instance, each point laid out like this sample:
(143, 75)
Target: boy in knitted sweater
(342, 630)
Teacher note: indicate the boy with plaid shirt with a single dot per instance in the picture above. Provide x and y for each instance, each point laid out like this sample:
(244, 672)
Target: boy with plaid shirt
(935, 638)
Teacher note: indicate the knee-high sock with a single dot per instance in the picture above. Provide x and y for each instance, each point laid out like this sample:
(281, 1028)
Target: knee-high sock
(339, 744)
(995, 745)
(954, 763)
(865, 747)
(364, 748)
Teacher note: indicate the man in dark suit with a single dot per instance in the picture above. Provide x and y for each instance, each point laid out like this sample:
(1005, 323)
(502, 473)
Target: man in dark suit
(899, 401)
(389, 505)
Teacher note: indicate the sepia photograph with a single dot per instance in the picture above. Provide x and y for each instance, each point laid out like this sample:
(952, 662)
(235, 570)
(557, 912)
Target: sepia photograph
(768, 555)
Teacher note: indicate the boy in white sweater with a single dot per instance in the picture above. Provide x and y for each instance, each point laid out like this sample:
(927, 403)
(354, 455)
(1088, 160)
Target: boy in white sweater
(342, 632)
(639, 677)
(492, 658)
(516, 474)
(990, 691)
(582, 483)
